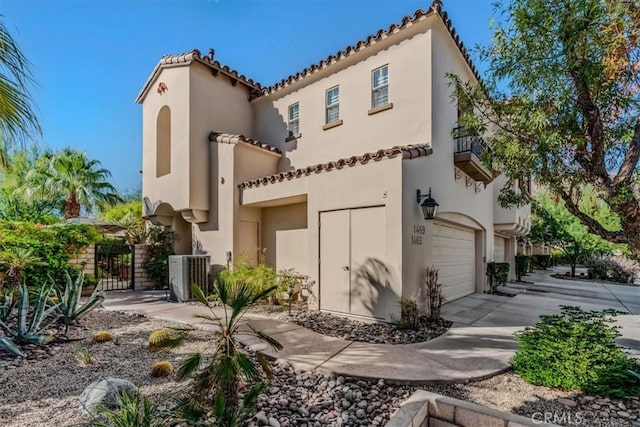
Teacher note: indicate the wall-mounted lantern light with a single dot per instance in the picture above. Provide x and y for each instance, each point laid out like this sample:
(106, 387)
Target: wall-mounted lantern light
(429, 205)
(520, 242)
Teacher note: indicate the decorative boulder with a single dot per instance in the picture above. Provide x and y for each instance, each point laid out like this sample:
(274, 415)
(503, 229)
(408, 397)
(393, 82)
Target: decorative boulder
(104, 392)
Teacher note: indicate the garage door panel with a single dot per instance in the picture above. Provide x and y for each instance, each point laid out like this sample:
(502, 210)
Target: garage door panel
(453, 252)
(334, 253)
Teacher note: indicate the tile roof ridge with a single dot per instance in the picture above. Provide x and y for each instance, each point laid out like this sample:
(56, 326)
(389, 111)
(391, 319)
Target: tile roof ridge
(229, 138)
(436, 8)
(407, 152)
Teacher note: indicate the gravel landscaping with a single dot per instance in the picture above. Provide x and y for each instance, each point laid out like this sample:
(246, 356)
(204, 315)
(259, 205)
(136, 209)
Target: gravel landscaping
(375, 333)
(43, 389)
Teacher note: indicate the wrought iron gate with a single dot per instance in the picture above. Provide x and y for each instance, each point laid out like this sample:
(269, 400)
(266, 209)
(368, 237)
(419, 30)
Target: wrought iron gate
(114, 266)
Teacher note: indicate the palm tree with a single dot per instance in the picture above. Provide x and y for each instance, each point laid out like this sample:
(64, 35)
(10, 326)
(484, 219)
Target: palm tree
(18, 120)
(216, 383)
(80, 182)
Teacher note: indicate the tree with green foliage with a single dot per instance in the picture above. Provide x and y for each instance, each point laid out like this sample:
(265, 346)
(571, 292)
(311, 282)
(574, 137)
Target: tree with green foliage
(554, 225)
(14, 206)
(69, 176)
(128, 214)
(18, 120)
(561, 97)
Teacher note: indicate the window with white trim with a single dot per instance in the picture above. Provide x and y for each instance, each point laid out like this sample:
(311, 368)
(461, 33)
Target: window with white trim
(380, 86)
(294, 119)
(333, 104)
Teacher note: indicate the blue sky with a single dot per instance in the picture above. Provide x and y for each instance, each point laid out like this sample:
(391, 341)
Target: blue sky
(91, 57)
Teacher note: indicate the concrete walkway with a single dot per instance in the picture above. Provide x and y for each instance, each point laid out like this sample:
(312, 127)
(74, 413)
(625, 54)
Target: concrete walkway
(479, 344)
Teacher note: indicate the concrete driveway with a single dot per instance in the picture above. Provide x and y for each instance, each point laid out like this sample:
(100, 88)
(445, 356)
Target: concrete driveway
(545, 295)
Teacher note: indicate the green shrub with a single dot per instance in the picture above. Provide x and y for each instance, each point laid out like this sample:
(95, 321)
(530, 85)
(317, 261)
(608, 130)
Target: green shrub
(598, 266)
(575, 350)
(53, 245)
(498, 273)
(522, 265)
(541, 261)
(409, 315)
(160, 242)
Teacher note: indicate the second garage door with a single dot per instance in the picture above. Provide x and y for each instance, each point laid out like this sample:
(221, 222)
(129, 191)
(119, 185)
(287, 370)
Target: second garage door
(453, 251)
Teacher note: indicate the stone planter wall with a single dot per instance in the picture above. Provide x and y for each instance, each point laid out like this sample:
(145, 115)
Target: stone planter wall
(425, 409)
(140, 276)
(85, 260)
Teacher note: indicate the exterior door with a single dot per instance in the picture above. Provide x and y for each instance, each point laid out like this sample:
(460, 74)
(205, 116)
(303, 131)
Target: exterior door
(334, 261)
(454, 254)
(353, 274)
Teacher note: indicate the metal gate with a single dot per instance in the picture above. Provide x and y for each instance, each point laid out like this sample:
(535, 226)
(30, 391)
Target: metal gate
(114, 266)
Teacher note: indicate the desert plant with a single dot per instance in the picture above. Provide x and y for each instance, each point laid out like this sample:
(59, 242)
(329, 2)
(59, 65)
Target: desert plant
(133, 410)
(83, 357)
(16, 260)
(575, 350)
(164, 368)
(102, 336)
(498, 273)
(431, 293)
(164, 339)
(409, 314)
(216, 383)
(69, 299)
(29, 329)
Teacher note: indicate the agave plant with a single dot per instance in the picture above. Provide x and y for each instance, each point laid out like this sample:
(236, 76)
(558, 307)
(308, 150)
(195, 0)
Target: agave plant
(215, 385)
(30, 329)
(70, 308)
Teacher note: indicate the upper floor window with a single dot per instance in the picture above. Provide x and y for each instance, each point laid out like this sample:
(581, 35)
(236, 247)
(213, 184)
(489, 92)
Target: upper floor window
(333, 104)
(294, 119)
(380, 86)
(163, 142)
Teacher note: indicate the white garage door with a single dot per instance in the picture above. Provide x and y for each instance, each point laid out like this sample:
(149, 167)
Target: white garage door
(454, 254)
(498, 249)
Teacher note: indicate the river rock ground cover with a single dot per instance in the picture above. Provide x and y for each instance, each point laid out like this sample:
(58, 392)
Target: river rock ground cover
(43, 389)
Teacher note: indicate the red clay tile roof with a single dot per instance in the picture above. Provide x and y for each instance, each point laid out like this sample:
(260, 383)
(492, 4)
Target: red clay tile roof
(407, 21)
(258, 90)
(406, 151)
(188, 58)
(227, 138)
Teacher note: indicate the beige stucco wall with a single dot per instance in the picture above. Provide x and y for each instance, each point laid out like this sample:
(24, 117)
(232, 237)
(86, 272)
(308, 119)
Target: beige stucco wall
(408, 59)
(176, 97)
(284, 236)
(459, 203)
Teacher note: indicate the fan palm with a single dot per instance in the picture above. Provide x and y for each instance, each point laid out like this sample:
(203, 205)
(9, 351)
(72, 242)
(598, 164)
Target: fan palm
(216, 383)
(18, 120)
(78, 181)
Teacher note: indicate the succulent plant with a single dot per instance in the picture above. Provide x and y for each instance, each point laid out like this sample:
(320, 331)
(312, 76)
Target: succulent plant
(70, 307)
(28, 329)
(162, 339)
(102, 336)
(163, 368)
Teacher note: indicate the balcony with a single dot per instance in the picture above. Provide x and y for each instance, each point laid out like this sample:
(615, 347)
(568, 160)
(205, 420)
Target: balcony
(472, 156)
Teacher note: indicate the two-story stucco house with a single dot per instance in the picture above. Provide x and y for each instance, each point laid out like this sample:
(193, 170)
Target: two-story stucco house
(321, 170)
